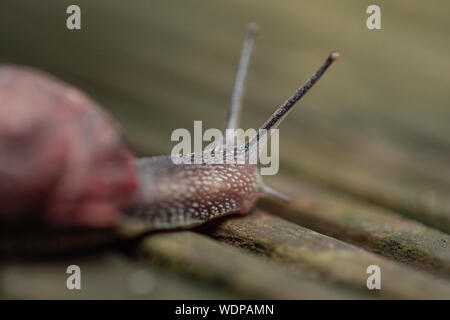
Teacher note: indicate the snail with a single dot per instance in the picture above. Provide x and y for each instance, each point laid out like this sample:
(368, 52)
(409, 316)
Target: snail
(63, 161)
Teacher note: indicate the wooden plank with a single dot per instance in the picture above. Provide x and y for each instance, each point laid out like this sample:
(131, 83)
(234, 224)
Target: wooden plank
(399, 183)
(105, 275)
(330, 259)
(219, 265)
(374, 228)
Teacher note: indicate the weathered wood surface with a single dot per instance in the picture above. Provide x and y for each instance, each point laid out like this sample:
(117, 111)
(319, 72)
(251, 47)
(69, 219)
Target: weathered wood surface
(251, 277)
(374, 228)
(367, 155)
(325, 257)
(106, 276)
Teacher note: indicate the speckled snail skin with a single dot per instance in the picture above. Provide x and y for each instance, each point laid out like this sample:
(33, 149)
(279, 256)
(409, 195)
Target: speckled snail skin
(70, 164)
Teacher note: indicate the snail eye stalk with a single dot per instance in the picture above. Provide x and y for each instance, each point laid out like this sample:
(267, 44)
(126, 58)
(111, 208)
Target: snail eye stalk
(278, 116)
(234, 112)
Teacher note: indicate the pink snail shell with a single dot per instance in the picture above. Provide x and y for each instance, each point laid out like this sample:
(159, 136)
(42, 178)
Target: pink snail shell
(62, 158)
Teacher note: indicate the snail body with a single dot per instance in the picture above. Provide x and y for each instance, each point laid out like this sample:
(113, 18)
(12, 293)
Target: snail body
(63, 162)
(186, 195)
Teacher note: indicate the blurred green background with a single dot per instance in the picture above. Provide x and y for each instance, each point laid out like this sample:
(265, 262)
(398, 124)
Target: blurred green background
(376, 126)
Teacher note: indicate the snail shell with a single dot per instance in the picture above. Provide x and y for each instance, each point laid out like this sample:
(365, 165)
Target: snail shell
(63, 161)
